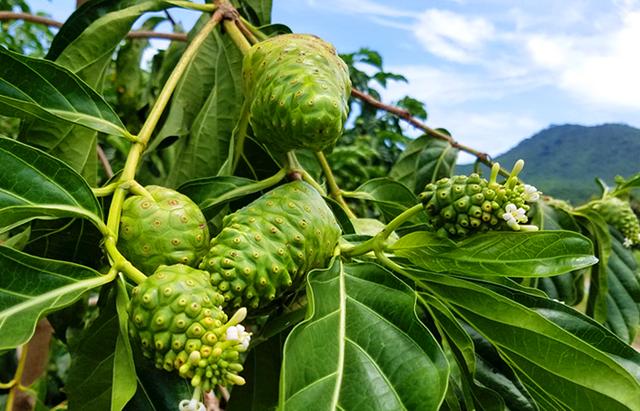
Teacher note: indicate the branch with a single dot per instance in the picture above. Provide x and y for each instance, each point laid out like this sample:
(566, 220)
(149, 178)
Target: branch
(104, 161)
(406, 116)
(10, 15)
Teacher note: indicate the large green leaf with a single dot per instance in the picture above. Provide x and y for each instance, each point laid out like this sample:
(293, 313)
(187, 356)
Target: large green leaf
(424, 160)
(102, 375)
(623, 290)
(391, 197)
(210, 193)
(554, 364)
(32, 286)
(567, 287)
(207, 146)
(35, 184)
(36, 88)
(257, 11)
(510, 254)
(362, 346)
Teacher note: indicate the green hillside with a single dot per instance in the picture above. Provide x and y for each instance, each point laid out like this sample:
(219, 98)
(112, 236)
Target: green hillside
(563, 160)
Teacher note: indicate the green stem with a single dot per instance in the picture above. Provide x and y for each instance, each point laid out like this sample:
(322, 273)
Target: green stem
(334, 190)
(377, 242)
(253, 29)
(236, 36)
(135, 154)
(240, 134)
(119, 262)
(106, 190)
(194, 6)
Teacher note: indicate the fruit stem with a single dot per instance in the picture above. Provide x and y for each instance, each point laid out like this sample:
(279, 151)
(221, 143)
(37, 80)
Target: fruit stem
(334, 190)
(247, 189)
(237, 36)
(207, 8)
(131, 165)
(119, 262)
(377, 242)
(253, 29)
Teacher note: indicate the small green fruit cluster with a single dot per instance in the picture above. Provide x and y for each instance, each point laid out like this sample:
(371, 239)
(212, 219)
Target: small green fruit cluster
(619, 214)
(298, 90)
(162, 228)
(176, 317)
(267, 246)
(462, 205)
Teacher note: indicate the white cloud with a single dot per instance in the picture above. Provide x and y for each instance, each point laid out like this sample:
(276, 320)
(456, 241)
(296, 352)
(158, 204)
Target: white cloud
(453, 36)
(601, 68)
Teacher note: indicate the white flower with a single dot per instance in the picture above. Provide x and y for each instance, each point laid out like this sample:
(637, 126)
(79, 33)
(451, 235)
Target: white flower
(515, 214)
(238, 333)
(191, 405)
(627, 242)
(530, 193)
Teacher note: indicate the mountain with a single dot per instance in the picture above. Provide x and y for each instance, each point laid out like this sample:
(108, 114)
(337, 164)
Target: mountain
(563, 161)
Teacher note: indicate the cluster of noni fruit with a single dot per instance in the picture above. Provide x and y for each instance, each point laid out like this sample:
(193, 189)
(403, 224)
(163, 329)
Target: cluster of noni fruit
(186, 315)
(462, 205)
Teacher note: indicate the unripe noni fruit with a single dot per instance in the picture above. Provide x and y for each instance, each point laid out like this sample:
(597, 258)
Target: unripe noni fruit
(297, 88)
(165, 228)
(619, 214)
(175, 316)
(462, 205)
(267, 246)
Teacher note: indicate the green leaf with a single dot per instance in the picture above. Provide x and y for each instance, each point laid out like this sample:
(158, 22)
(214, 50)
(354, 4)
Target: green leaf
(32, 286)
(510, 254)
(555, 364)
(262, 373)
(36, 185)
(623, 290)
(361, 344)
(204, 150)
(260, 9)
(567, 287)
(36, 88)
(391, 197)
(210, 193)
(424, 160)
(598, 231)
(102, 375)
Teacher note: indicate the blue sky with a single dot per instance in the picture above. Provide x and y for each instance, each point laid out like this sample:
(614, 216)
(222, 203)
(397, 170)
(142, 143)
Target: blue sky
(493, 72)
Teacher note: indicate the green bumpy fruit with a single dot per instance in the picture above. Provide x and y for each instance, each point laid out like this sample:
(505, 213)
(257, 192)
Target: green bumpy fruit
(462, 205)
(166, 229)
(175, 317)
(267, 246)
(619, 214)
(297, 88)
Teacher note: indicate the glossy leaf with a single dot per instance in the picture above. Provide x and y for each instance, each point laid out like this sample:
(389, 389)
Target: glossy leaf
(623, 290)
(102, 375)
(555, 364)
(35, 88)
(567, 287)
(510, 254)
(424, 160)
(391, 197)
(334, 360)
(36, 185)
(32, 286)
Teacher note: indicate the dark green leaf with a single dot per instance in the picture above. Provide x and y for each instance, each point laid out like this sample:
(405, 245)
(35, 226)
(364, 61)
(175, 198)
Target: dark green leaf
(102, 375)
(32, 286)
(623, 290)
(510, 254)
(556, 365)
(35, 88)
(391, 197)
(334, 359)
(424, 161)
(567, 287)
(210, 193)
(35, 185)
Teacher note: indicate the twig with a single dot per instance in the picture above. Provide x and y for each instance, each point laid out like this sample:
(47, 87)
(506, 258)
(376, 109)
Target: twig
(247, 33)
(406, 116)
(108, 171)
(10, 15)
